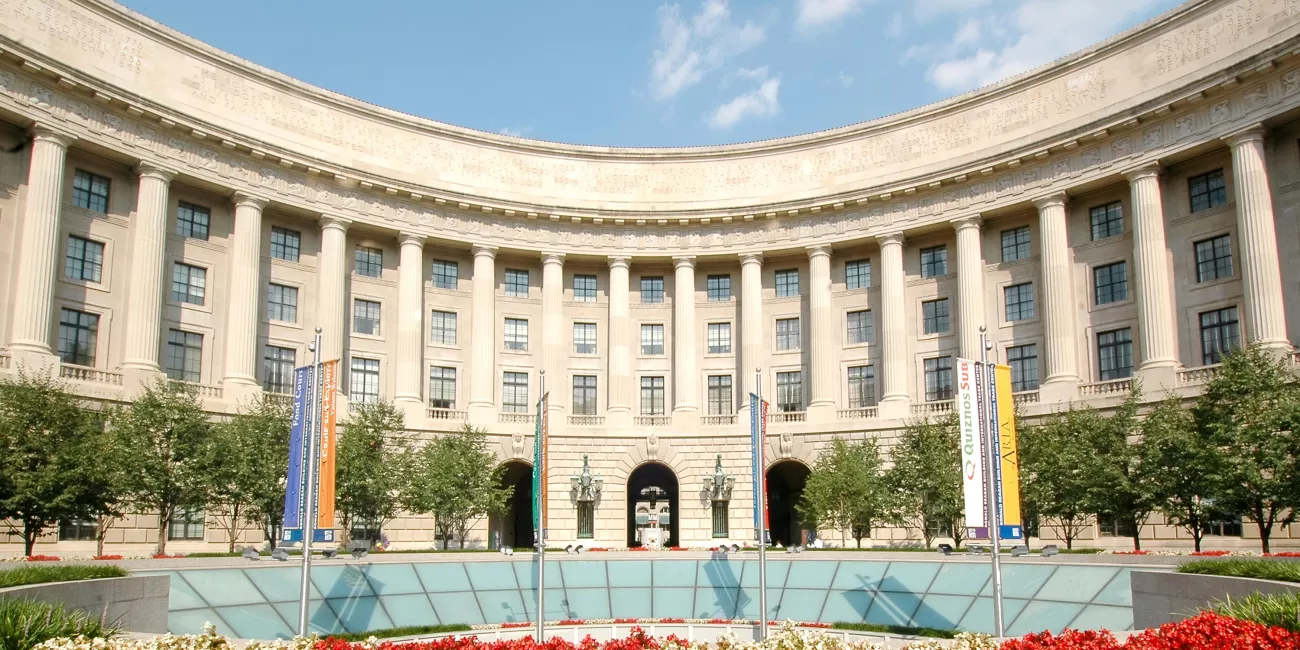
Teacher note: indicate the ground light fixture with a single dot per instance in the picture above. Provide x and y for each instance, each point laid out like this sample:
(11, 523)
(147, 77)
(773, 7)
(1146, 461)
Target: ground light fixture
(280, 554)
(251, 553)
(330, 553)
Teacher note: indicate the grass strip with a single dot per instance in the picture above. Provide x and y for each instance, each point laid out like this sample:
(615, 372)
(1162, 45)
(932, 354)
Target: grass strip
(1259, 568)
(25, 623)
(1273, 610)
(895, 629)
(34, 575)
(411, 630)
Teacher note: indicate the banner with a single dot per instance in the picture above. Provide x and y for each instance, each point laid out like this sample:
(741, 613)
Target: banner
(539, 470)
(972, 447)
(1008, 454)
(757, 439)
(327, 448)
(298, 428)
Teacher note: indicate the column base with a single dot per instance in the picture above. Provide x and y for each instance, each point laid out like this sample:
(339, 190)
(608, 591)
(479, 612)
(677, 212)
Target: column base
(1059, 391)
(33, 360)
(822, 412)
(618, 418)
(482, 414)
(1278, 347)
(1157, 379)
(240, 390)
(686, 418)
(412, 409)
(137, 377)
(895, 408)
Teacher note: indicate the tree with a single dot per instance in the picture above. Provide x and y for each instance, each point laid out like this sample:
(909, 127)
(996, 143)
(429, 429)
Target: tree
(846, 489)
(925, 480)
(1122, 487)
(453, 479)
(1060, 471)
(245, 469)
(161, 439)
(1183, 468)
(372, 465)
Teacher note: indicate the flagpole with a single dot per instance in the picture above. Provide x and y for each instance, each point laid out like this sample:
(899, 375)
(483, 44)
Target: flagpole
(761, 494)
(990, 482)
(541, 514)
(309, 523)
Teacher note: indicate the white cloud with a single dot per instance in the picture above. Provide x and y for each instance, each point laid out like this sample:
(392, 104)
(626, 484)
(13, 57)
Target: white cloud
(691, 49)
(518, 133)
(846, 79)
(763, 101)
(815, 13)
(968, 34)
(927, 9)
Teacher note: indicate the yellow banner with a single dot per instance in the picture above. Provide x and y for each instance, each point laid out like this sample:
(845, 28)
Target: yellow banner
(329, 413)
(1010, 462)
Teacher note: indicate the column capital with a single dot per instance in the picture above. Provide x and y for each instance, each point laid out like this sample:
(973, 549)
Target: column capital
(47, 133)
(818, 250)
(1051, 200)
(891, 239)
(410, 239)
(1145, 170)
(552, 258)
(971, 221)
(245, 199)
(618, 261)
(334, 222)
(1242, 136)
(680, 261)
(484, 250)
(155, 171)
(751, 258)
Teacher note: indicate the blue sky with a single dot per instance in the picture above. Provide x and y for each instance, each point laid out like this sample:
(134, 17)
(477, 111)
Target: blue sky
(647, 72)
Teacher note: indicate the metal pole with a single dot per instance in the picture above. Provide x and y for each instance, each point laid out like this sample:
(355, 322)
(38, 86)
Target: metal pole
(309, 521)
(991, 488)
(760, 493)
(541, 515)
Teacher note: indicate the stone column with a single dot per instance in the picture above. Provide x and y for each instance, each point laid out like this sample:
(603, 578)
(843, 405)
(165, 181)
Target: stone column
(144, 296)
(751, 329)
(1062, 377)
(38, 251)
(685, 397)
(553, 335)
(821, 406)
(619, 404)
(333, 313)
(970, 287)
(410, 324)
(483, 345)
(244, 308)
(894, 402)
(1260, 273)
(1157, 328)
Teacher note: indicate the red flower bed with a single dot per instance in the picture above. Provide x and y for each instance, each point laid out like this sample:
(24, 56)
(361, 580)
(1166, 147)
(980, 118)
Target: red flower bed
(1206, 631)
(637, 548)
(678, 548)
(572, 621)
(1129, 553)
(825, 626)
(597, 549)
(514, 625)
(672, 620)
(43, 558)
(719, 621)
(624, 621)
(1283, 554)
(107, 557)
(1210, 553)
(164, 556)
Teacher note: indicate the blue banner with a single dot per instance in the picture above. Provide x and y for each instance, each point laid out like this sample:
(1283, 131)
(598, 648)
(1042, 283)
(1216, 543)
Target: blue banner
(318, 535)
(755, 412)
(298, 428)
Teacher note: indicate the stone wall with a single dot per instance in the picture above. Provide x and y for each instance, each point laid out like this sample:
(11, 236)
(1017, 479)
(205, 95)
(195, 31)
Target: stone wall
(136, 604)
(1160, 598)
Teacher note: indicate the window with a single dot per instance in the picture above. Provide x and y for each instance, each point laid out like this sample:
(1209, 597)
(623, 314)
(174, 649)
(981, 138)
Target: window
(787, 334)
(277, 369)
(1020, 301)
(584, 288)
(1115, 354)
(940, 528)
(652, 396)
(719, 288)
(935, 318)
(1015, 244)
(720, 397)
(516, 283)
(77, 530)
(719, 338)
(584, 338)
(442, 387)
(586, 520)
(1207, 190)
(1213, 259)
(282, 303)
(652, 290)
(514, 392)
(365, 317)
(1107, 220)
(652, 339)
(1108, 525)
(189, 283)
(184, 355)
(934, 261)
(185, 525)
(443, 327)
(1226, 527)
(862, 386)
(857, 274)
(787, 283)
(720, 528)
(517, 334)
(78, 332)
(1110, 283)
(192, 221)
(789, 392)
(445, 274)
(90, 191)
(1220, 334)
(862, 328)
(1023, 360)
(938, 379)
(285, 244)
(584, 394)
(366, 529)
(364, 381)
(368, 261)
(85, 259)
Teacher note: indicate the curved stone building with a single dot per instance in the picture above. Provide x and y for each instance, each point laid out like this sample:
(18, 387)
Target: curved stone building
(1121, 213)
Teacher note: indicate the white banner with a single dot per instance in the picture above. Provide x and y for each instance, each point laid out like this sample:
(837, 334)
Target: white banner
(972, 448)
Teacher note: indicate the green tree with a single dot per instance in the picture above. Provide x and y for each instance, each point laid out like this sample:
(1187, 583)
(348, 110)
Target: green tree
(1122, 485)
(245, 475)
(925, 480)
(372, 465)
(456, 479)
(1060, 471)
(846, 489)
(161, 438)
(1183, 468)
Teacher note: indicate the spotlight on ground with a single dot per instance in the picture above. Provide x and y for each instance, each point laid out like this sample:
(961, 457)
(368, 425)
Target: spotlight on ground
(280, 554)
(569, 549)
(945, 549)
(1019, 551)
(358, 553)
(735, 548)
(251, 553)
(330, 553)
(1050, 550)
(581, 549)
(506, 550)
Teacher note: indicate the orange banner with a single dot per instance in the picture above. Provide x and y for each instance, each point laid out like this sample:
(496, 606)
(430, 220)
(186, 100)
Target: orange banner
(329, 413)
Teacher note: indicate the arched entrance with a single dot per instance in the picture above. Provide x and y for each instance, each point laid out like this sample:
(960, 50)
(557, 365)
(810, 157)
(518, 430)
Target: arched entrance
(652, 494)
(514, 528)
(785, 483)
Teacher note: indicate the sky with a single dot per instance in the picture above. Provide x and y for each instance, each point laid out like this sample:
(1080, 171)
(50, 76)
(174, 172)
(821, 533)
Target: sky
(649, 73)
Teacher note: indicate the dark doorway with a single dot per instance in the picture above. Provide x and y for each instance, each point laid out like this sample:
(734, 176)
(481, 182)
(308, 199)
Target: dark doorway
(785, 483)
(652, 487)
(514, 528)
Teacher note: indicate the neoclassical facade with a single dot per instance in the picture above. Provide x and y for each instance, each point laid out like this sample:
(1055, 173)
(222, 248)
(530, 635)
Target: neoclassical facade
(1119, 214)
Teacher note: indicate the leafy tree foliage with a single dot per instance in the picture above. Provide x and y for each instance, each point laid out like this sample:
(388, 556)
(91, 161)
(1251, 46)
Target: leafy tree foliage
(1059, 470)
(245, 475)
(925, 481)
(456, 479)
(1122, 487)
(1183, 469)
(846, 489)
(374, 458)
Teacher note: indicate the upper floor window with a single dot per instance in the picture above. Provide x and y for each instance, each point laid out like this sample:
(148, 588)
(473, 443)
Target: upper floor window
(652, 290)
(1213, 258)
(285, 244)
(364, 381)
(652, 396)
(1110, 283)
(368, 261)
(90, 191)
(789, 392)
(934, 261)
(1023, 360)
(935, 316)
(1207, 190)
(584, 288)
(277, 369)
(78, 333)
(365, 316)
(1015, 244)
(719, 335)
(516, 334)
(1019, 299)
(1220, 334)
(445, 274)
(442, 387)
(516, 283)
(938, 379)
(861, 327)
(652, 339)
(84, 260)
(184, 355)
(787, 283)
(282, 303)
(862, 386)
(720, 397)
(719, 288)
(787, 334)
(1115, 354)
(1107, 220)
(584, 394)
(857, 274)
(192, 221)
(189, 283)
(442, 325)
(584, 338)
(514, 392)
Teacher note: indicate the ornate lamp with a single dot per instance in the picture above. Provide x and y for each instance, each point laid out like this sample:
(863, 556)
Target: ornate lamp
(585, 486)
(719, 484)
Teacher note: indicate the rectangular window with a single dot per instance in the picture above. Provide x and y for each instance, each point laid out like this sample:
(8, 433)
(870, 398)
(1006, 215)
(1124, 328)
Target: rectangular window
(652, 396)
(516, 283)
(364, 381)
(789, 392)
(586, 520)
(584, 288)
(584, 394)
(857, 274)
(1213, 258)
(442, 387)
(368, 261)
(787, 283)
(90, 191)
(442, 326)
(720, 526)
(277, 369)
(368, 529)
(720, 396)
(365, 317)
(282, 303)
(445, 274)
(1220, 334)
(934, 261)
(1207, 190)
(1115, 354)
(1019, 299)
(1226, 527)
(787, 334)
(862, 386)
(1107, 220)
(186, 525)
(938, 379)
(285, 244)
(862, 328)
(935, 317)
(517, 334)
(184, 355)
(514, 392)
(193, 221)
(78, 333)
(85, 259)
(1110, 526)
(1015, 244)
(77, 530)
(1110, 283)
(719, 287)
(1023, 360)
(584, 338)
(652, 339)
(719, 338)
(189, 283)
(652, 290)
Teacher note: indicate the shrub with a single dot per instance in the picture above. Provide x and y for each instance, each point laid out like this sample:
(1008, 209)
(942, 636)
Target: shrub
(43, 558)
(1274, 610)
(26, 623)
(413, 630)
(34, 575)
(895, 629)
(1245, 568)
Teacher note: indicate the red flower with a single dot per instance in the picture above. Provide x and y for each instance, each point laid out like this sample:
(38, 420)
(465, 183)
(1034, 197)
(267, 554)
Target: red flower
(1210, 553)
(164, 556)
(624, 621)
(572, 621)
(637, 548)
(719, 621)
(1129, 553)
(672, 620)
(107, 557)
(678, 548)
(43, 558)
(1283, 554)
(597, 549)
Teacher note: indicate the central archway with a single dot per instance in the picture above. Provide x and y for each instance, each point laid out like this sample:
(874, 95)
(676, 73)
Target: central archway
(652, 486)
(514, 527)
(785, 482)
